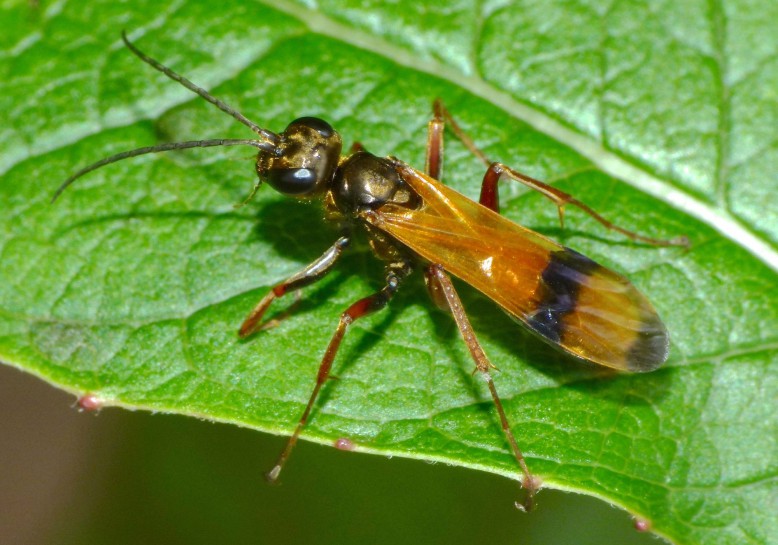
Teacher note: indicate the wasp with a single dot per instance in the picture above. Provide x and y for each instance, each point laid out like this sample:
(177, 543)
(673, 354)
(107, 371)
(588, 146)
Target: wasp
(414, 222)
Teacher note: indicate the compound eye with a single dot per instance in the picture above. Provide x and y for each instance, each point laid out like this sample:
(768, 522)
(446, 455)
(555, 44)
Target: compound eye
(319, 125)
(292, 181)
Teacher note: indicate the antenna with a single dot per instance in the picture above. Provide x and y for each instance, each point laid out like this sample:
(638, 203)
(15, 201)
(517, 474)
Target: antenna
(264, 146)
(268, 144)
(264, 133)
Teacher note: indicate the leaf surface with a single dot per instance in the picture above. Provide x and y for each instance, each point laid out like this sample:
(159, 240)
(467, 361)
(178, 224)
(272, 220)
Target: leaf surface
(663, 117)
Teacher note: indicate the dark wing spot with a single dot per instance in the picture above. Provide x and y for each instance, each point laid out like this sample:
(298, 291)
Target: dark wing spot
(560, 282)
(649, 350)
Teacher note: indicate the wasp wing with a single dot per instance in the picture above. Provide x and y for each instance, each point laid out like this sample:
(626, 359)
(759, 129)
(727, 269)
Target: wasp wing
(565, 297)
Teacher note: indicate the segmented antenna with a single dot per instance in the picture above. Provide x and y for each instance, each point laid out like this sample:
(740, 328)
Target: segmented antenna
(265, 146)
(269, 144)
(264, 133)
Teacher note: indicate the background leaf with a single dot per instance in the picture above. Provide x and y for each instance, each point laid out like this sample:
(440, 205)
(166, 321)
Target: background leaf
(662, 116)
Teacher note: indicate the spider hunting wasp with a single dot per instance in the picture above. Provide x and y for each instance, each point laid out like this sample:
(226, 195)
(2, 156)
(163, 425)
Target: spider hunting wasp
(415, 222)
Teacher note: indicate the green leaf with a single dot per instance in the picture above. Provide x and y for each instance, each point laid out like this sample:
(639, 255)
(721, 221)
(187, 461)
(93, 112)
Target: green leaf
(662, 117)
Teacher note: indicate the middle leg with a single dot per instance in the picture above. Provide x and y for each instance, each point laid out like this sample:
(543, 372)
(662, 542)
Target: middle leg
(434, 166)
(361, 308)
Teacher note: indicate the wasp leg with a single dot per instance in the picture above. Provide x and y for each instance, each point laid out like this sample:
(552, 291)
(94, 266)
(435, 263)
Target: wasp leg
(361, 308)
(444, 291)
(434, 169)
(442, 118)
(355, 147)
(561, 199)
(310, 274)
(435, 128)
(495, 171)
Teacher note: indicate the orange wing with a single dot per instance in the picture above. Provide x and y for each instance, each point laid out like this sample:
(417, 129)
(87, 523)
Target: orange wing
(565, 297)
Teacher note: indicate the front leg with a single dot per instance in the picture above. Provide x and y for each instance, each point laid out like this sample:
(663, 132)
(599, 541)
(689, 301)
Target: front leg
(310, 274)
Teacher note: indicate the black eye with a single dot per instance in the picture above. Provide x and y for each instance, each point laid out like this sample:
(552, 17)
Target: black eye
(319, 125)
(292, 181)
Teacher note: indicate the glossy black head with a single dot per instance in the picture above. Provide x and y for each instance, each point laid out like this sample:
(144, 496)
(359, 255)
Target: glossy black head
(304, 161)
